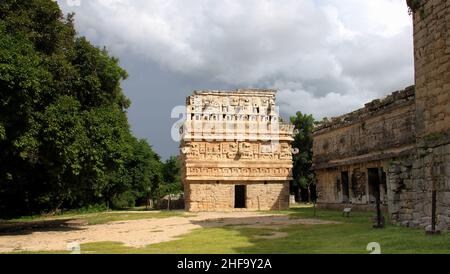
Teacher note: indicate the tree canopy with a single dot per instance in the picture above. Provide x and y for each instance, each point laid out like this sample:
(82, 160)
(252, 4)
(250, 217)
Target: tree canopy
(304, 179)
(65, 140)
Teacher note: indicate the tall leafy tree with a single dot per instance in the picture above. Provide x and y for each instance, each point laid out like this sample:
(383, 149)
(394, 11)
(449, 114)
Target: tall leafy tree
(65, 141)
(304, 179)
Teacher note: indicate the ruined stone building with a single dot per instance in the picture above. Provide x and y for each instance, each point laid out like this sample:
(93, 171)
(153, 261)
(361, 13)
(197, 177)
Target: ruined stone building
(398, 147)
(236, 153)
(352, 153)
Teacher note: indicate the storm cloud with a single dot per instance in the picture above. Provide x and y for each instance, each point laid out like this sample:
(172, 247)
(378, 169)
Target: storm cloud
(326, 57)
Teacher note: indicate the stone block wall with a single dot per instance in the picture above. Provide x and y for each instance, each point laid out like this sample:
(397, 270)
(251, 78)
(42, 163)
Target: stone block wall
(432, 65)
(219, 196)
(383, 125)
(411, 181)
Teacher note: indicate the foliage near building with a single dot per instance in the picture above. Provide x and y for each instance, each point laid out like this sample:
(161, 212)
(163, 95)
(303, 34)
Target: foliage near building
(303, 184)
(65, 141)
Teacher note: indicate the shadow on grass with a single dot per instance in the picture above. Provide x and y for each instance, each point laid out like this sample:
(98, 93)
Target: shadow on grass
(25, 228)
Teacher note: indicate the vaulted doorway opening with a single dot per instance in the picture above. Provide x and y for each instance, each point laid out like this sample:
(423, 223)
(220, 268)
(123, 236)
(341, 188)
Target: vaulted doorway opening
(377, 183)
(240, 195)
(345, 187)
(374, 184)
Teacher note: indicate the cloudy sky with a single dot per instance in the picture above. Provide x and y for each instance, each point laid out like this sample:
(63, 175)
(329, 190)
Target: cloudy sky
(326, 57)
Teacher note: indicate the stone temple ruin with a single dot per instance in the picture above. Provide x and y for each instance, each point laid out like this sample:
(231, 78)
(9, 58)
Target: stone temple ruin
(353, 153)
(398, 148)
(236, 152)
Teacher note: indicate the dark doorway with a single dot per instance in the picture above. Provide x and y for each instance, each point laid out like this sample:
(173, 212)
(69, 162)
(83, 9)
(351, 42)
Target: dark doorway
(240, 193)
(374, 184)
(345, 187)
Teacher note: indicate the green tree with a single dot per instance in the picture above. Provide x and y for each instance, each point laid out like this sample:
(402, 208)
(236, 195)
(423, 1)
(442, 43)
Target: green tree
(171, 172)
(144, 171)
(304, 179)
(65, 141)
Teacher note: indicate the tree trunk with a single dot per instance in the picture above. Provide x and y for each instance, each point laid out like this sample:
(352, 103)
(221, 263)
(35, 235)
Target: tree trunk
(309, 193)
(168, 202)
(56, 209)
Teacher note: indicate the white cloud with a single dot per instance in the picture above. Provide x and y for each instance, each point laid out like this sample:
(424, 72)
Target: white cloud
(329, 105)
(326, 56)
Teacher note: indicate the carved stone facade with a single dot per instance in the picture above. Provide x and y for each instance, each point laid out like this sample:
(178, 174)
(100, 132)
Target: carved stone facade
(236, 152)
(405, 138)
(352, 153)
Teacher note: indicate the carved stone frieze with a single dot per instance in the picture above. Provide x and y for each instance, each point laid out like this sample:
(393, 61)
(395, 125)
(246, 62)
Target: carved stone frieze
(225, 151)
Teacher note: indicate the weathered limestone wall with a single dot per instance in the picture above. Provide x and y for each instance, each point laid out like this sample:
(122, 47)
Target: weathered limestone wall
(219, 196)
(432, 65)
(330, 186)
(411, 184)
(356, 142)
(380, 130)
(412, 179)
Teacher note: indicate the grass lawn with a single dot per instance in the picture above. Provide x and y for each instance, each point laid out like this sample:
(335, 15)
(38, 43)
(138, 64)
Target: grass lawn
(350, 236)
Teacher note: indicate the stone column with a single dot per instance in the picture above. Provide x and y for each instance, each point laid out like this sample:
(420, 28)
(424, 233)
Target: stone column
(432, 65)
(432, 75)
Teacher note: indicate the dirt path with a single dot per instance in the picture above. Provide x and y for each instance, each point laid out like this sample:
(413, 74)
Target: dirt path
(140, 233)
